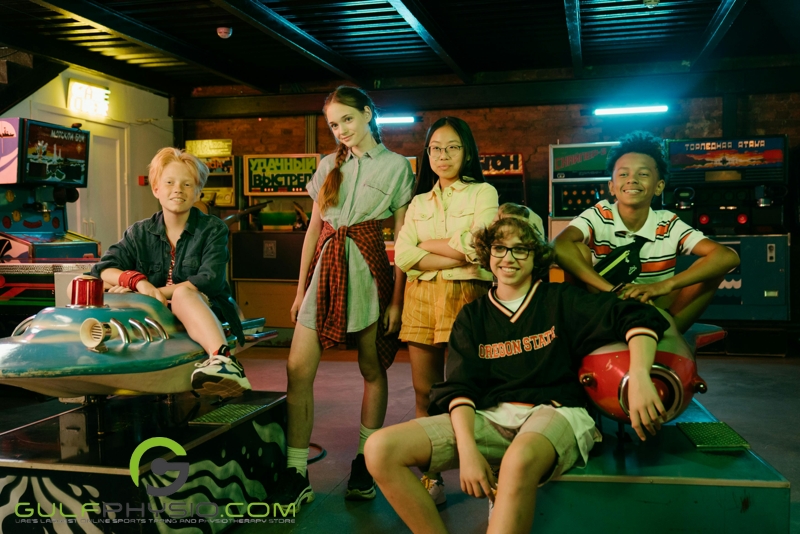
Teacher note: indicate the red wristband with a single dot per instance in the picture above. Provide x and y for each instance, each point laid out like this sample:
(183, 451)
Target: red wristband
(129, 279)
(135, 279)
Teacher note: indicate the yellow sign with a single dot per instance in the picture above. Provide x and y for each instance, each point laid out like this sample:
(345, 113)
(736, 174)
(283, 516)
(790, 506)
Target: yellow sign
(279, 174)
(88, 98)
(210, 148)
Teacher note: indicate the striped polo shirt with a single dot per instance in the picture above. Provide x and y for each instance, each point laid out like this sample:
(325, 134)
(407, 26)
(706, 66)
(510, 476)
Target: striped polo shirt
(666, 235)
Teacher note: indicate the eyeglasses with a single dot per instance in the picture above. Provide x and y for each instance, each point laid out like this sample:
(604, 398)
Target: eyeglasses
(519, 253)
(436, 151)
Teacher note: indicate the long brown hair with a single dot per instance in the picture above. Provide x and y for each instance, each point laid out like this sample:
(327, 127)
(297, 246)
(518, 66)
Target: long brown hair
(354, 98)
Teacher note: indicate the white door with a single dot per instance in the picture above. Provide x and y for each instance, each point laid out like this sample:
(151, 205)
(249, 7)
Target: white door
(101, 210)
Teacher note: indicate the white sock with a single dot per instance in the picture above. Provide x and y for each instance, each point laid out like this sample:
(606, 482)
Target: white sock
(363, 435)
(297, 458)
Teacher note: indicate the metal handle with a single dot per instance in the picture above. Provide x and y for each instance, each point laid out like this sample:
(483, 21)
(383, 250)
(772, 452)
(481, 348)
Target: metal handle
(123, 332)
(155, 324)
(142, 329)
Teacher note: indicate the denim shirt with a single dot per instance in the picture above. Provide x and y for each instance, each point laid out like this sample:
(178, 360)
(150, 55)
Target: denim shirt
(201, 257)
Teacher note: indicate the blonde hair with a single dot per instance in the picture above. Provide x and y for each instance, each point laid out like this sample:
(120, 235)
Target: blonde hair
(165, 156)
(354, 98)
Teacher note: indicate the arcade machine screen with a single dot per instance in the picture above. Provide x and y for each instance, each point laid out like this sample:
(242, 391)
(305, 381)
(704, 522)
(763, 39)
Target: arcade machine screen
(55, 155)
(729, 186)
(725, 160)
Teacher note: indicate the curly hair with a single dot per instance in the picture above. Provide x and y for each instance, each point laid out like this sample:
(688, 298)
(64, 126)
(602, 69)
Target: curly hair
(543, 253)
(509, 209)
(640, 142)
(167, 155)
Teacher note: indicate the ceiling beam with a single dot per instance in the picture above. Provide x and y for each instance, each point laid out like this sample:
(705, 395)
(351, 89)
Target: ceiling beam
(271, 23)
(572, 9)
(417, 17)
(65, 53)
(720, 23)
(597, 90)
(27, 83)
(130, 29)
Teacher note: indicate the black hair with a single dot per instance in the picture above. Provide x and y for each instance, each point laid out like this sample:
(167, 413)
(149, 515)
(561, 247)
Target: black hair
(543, 253)
(470, 171)
(640, 142)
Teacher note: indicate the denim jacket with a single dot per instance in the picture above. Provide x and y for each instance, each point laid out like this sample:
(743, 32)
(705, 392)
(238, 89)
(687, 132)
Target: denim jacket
(201, 257)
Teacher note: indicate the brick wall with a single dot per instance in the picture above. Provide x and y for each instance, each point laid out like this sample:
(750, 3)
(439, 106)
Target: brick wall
(270, 135)
(527, 130)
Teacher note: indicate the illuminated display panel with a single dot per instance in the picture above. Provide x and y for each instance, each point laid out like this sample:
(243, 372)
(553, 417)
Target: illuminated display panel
(88, 98)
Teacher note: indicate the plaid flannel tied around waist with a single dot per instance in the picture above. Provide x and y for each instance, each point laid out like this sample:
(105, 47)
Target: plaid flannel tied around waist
(332, 290)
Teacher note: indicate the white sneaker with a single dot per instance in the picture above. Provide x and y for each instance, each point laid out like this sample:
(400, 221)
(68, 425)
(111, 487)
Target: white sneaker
(435, 487)
(220, 376)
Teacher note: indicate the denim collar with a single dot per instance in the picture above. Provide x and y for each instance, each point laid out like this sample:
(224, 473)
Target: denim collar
(157, 227)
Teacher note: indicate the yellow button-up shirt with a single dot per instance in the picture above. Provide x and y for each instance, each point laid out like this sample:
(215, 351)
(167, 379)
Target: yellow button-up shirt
(453, 213)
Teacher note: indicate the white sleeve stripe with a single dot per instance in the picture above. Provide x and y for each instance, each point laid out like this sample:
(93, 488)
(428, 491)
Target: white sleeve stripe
(640, 331)
(460, 401)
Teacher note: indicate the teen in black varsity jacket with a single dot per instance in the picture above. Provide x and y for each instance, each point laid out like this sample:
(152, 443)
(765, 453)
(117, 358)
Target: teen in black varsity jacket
(511, 397)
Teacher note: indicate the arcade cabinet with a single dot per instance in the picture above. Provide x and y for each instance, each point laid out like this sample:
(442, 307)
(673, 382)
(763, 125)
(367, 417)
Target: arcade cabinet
(265, 263)
(104, 460)
(578, 180)
(735, 190)
(42, 168)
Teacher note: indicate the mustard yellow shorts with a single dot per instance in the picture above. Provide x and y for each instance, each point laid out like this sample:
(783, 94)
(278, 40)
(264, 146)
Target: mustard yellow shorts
(431, 307)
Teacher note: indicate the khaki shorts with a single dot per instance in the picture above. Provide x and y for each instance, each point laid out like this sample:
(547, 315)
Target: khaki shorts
(431, 307)
(493, 440)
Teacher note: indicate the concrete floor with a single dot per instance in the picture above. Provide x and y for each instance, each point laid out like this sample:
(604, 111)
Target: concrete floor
(758, 397)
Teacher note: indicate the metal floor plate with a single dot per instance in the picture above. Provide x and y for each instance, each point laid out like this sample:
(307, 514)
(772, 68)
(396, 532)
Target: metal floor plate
(713, 436)
(227, 415)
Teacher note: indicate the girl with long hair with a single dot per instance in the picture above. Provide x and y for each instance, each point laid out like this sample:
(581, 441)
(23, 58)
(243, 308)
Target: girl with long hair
(346, 283)
(434, 248)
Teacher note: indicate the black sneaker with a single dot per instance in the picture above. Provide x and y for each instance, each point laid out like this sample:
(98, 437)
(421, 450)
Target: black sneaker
(291, 488)
(361, 486)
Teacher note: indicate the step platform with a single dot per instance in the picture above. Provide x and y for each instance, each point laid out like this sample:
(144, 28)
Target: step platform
(665, 485)
(69, 469)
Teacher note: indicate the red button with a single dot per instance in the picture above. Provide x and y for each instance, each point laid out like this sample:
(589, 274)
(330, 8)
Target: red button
(704, 219)
(742, 218)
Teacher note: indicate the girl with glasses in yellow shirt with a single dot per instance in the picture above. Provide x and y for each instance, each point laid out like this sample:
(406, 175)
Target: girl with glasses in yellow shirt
(434, 249)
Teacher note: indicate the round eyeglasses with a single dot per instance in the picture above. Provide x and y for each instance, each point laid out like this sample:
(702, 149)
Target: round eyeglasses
(519, 253)
(437, 151)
